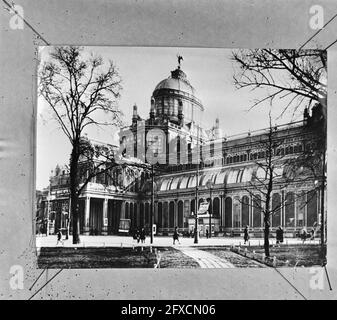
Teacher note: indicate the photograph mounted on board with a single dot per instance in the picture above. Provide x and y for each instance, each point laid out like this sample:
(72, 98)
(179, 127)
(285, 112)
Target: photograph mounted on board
(163, 157)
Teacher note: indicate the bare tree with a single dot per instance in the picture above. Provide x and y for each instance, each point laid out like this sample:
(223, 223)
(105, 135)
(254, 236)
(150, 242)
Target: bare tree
(299, 79)
(297, 76)
(275, 171)
(80, 91)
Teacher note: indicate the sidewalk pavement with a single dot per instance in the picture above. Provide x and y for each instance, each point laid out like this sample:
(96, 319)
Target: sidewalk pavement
(205, 259)
(127, 241)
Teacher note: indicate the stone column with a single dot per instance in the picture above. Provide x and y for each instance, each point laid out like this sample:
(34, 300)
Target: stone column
(105, 217)
(86, 216)
(122, 215)
(175, 212)
(282, 210)
(250, 210)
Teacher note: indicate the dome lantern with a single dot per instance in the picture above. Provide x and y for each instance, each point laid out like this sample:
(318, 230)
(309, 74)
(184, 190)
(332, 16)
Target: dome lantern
(174, 98)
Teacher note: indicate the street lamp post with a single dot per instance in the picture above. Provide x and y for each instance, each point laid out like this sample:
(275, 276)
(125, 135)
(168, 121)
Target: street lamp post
(209, 185)
(196, 233)
(152, 203)
(153, 190)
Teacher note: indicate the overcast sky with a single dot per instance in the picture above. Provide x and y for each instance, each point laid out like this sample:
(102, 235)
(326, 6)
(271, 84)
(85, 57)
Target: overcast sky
(210, 72)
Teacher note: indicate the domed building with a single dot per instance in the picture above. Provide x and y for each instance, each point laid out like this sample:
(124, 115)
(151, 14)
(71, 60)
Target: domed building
(198, 165)
(177, 112)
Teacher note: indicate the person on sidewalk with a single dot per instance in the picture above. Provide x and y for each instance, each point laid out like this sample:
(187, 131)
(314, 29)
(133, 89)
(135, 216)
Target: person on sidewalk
(175, 236)
(207, 234)
(246, 235)
(312, 234)
(59, 237)
(279, 235)
(135, 235)
(142, 235)
(303, 235)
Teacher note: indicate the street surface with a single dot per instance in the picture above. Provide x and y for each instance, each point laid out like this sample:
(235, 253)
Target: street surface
(118, 241)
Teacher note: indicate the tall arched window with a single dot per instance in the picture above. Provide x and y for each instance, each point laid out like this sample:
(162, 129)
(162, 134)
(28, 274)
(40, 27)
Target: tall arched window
(180, 214)
(160, 215)
(131, 216)
(276, 207)
(228, 212)
(257, 211)
(165, 215)
(289, 210)
(300, 209)
(193, 206)
(171, 215)
(126, 210)
(135, 207)
(236, 213)
(312, 215)
(245, 211)
(216, 207)
(147, 213)
(141, 215)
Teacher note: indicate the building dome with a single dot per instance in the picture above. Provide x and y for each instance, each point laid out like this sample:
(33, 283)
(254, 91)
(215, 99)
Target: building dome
(174, 99)
(177, 81)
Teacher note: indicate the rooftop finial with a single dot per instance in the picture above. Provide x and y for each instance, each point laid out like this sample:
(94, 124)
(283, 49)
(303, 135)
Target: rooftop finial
(179, 59)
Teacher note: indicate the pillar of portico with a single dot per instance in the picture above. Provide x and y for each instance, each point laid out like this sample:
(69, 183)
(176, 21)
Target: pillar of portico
(175, 212)
(86, 216)
(105, 217)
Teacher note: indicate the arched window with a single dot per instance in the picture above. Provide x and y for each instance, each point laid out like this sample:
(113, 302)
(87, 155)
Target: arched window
(300, 209)
(135, 207)
(236, 213)
(180, 214)
(165, 215)
(228, 212)
(171, 215)
(132, 216)
(141, 215)
(312, 215)
(276, 207)
(126, 210)
(147, 213)
(245, 211)
(257, 211)
(216, 207)
(193, 206)
(289, 210)
(160, 215)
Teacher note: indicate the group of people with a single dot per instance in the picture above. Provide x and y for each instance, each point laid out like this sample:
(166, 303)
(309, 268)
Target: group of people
(279, 235)
(304, 234)
(139, 235)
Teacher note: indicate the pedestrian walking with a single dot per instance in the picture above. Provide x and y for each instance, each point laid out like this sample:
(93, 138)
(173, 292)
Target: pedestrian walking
(246, 235)
(279, 235)
(142, 235)
(207, 235)
(303, 234)
(312, 234)
(135, 235)
(176, 235)
(59, 237)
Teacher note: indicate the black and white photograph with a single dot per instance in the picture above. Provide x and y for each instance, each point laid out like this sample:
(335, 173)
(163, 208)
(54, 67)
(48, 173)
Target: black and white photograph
(173, 158)
(181, 157)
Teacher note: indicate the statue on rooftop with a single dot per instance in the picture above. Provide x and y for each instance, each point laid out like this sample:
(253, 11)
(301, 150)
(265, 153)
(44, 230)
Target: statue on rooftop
(179, 59)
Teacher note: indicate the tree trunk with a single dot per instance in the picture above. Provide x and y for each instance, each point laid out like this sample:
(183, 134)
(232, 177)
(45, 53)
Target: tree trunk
(266, 239)
(73, 192)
